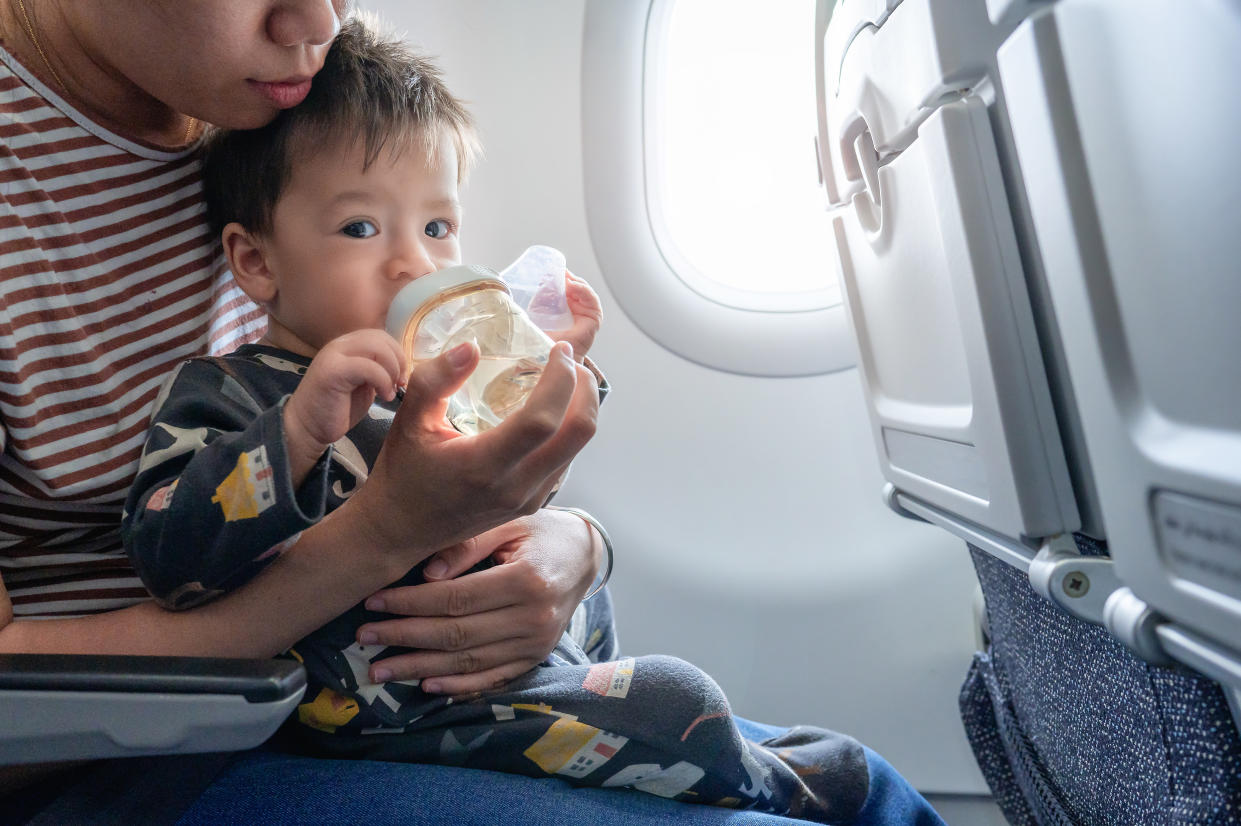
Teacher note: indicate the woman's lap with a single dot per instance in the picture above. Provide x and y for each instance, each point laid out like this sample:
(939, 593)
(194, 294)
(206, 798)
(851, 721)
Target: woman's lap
(270, 787)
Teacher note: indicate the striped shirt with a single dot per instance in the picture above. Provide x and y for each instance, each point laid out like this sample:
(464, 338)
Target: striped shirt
(109, 279)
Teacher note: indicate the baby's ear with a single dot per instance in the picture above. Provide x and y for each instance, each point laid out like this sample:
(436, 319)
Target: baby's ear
(249, 264)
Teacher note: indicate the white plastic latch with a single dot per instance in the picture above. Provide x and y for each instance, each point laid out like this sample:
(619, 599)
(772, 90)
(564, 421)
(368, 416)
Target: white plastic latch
(1078, 584)
(861, 163)
(1088, 588)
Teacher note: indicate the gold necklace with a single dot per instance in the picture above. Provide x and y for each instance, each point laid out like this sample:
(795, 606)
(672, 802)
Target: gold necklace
(34, 39)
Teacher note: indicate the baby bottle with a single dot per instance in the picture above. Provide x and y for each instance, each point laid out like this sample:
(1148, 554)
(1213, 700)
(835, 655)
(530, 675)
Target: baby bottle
(437, 312)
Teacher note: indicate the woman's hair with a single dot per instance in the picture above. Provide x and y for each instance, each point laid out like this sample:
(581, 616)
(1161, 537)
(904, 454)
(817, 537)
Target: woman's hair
(373, 90)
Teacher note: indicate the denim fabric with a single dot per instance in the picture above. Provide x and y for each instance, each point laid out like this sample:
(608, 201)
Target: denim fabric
(1070, 728)
(269, 788)
(152, 791)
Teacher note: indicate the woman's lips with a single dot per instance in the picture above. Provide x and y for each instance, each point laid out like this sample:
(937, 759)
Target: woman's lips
(285, 93)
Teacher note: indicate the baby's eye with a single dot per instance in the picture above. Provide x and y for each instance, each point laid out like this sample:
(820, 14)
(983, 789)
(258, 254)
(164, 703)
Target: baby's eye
(359, 229)
(438, 229)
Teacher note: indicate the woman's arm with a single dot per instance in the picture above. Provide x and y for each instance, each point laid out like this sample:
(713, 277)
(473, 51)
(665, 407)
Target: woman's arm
(6, 606)
(429, 490)
(318, 578)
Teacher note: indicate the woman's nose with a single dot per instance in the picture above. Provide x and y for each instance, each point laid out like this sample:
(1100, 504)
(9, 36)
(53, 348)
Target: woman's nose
(303, 22)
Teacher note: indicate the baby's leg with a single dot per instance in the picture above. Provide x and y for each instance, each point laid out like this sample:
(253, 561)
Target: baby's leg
(656, 723)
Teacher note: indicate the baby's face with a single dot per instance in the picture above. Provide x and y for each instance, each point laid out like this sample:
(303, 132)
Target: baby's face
(344, 240)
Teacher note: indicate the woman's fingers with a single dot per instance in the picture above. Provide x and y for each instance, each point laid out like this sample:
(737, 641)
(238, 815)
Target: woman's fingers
(432, 382)
(467, 685)
(453, 561)
(473, 594)
(483, 620)
(468, 485)
(513, 653)
(541, 417)
(577, 428)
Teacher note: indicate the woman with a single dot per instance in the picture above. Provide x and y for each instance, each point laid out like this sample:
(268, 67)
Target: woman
(95, 331)
(109, 279)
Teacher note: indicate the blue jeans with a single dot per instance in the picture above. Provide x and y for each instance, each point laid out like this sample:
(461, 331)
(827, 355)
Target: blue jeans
(266, 787)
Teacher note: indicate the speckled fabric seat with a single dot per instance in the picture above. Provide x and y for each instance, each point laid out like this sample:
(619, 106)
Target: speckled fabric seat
(1070, 728)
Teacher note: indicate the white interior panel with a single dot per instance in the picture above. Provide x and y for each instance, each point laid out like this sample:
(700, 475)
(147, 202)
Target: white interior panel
(948, 353)
(1142, 270)
(889, 65)
(750, 534)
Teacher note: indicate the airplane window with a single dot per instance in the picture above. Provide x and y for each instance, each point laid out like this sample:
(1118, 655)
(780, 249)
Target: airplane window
(732, 181)
(700, 182)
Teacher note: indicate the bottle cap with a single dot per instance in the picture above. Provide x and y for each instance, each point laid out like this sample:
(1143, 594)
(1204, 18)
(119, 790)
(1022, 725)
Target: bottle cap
(417, 292)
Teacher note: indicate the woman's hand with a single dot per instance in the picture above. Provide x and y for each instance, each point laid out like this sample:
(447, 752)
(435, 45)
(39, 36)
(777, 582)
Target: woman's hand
(486, 628)
(431, 487)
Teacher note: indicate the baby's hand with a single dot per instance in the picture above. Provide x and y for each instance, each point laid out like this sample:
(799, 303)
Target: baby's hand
(339, 387)
(587, 316)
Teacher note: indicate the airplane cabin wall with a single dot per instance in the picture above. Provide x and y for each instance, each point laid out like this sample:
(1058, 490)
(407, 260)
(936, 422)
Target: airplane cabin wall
(750, 535)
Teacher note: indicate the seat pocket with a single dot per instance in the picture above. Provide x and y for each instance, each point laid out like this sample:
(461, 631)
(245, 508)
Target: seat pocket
(1009, 763)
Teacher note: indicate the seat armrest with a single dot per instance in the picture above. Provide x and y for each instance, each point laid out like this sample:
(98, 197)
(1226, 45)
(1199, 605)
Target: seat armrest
(74, 707)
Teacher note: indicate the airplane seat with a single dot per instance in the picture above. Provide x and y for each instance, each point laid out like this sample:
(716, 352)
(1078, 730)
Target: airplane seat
(1039, 272)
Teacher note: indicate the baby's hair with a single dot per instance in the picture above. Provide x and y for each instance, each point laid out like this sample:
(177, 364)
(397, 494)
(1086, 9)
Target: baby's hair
(373, 90)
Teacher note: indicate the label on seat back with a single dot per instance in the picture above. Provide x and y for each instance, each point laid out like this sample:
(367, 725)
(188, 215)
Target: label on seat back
(1200, 540)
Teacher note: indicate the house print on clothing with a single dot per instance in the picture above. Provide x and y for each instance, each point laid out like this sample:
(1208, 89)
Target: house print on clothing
(655, 779)
(327, 711)
(248, 490)
(610, 679)
(574, 749)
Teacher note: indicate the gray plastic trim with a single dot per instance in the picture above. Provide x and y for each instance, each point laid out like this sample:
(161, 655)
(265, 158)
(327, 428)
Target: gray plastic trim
(1078, 585)
(39, 726)
(1001, 547)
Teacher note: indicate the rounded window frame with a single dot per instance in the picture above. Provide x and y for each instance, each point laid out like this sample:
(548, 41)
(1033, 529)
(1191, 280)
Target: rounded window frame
(711, 324)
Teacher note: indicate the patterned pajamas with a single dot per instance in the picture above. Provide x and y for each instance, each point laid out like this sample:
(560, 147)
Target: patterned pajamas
(213, 503)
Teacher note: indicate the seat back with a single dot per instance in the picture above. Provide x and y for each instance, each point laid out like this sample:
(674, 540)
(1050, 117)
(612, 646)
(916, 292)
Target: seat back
(1140, 246)
(1040, 278)
(932, 276)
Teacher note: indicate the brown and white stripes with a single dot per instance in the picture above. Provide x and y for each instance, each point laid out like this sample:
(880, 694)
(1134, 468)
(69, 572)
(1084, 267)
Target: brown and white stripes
(108, 279)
